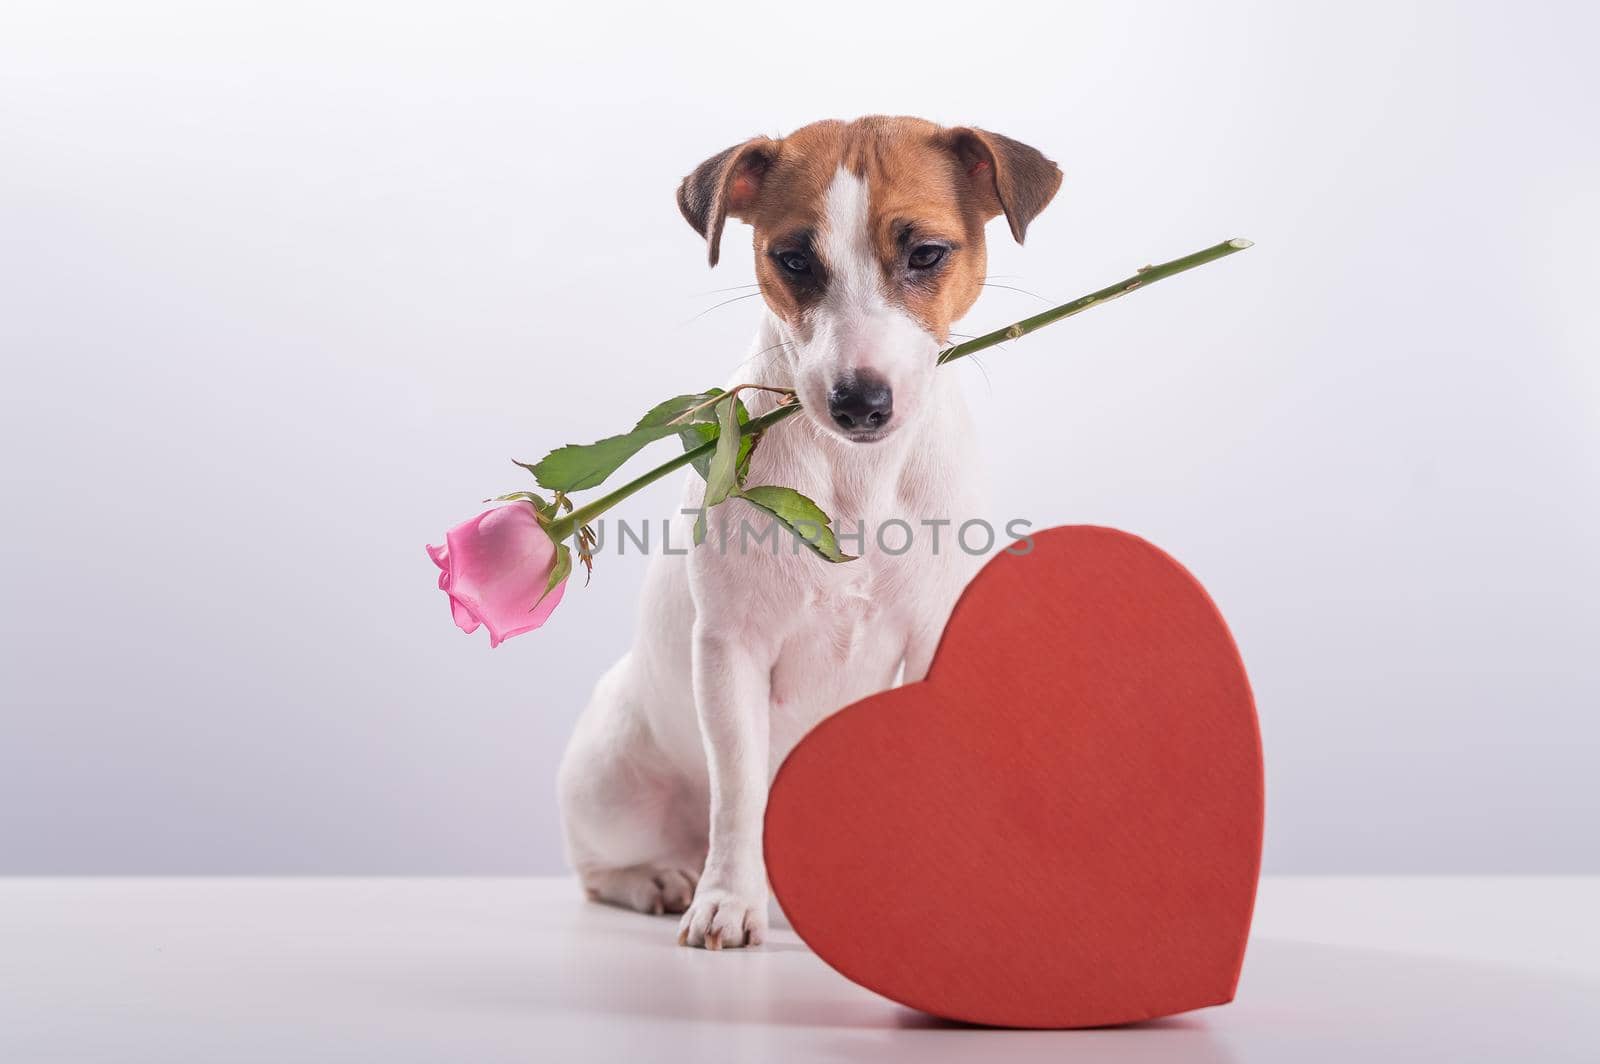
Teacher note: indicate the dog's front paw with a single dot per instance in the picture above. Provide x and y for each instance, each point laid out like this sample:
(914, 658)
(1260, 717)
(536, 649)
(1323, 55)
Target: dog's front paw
(720, 918)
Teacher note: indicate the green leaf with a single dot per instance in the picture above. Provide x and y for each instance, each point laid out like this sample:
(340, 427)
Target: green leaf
(587, 465)
(562, 570)
(539, 505)
(664, 413)
(723, 476)
(800, 516)
(747, 447)
(703, 429)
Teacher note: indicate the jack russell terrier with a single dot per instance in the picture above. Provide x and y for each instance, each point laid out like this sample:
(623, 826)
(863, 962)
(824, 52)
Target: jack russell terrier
(869, 244)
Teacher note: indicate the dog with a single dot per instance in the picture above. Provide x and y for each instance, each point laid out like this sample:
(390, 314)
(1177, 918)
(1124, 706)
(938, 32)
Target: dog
(869, 244)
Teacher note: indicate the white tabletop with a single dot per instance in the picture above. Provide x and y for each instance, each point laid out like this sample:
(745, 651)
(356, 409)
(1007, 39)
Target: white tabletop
(482, 970)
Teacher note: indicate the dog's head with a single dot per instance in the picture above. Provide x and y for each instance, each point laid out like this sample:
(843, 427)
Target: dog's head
(868, 245)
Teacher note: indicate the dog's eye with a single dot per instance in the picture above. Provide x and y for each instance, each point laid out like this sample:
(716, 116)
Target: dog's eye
(794, 262)
(927, 256)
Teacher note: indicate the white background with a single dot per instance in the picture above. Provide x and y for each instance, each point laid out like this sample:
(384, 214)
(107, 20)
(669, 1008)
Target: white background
(284, 286)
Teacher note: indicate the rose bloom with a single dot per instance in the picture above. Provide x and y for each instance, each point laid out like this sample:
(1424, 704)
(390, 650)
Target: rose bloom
(495, 567)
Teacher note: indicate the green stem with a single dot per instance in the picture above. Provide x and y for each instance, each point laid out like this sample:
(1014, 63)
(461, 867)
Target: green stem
(566, 526)
(684, 418)
(1144, 278)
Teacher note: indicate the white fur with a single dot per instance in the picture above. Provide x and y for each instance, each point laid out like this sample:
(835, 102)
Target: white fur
(855, 328)
(740, 653)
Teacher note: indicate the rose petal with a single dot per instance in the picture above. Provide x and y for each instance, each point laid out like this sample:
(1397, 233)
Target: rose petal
(462, 615)
(495, 567)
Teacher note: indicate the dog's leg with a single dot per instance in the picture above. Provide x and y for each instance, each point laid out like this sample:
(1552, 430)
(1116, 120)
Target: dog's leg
(919, 653)
(634, 828)
(936, 597)
(732, 691)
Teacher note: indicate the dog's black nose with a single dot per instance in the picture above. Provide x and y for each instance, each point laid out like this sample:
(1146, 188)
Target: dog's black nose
(862, 403)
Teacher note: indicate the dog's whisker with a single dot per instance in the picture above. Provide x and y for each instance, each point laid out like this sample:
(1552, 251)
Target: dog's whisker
(730, 288)
(1013, 288)
(777, 346)
(763, 351)
(719, 306)
(987, 383)
(976, 361)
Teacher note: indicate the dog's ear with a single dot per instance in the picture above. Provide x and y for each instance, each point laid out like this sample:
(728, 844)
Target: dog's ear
(1006, 176)
(727, 183)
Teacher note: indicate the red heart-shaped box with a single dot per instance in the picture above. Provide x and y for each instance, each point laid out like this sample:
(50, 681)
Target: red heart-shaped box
(1061, 825)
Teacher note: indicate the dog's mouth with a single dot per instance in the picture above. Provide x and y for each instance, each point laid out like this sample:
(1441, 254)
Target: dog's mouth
(869, 436)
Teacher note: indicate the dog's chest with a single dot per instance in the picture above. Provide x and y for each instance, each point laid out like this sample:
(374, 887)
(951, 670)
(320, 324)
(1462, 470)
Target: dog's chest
(846, 627)
(854, 615)
(843, 612)
(848, 642)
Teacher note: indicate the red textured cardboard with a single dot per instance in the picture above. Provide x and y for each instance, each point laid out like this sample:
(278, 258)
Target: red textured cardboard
(1061, 826)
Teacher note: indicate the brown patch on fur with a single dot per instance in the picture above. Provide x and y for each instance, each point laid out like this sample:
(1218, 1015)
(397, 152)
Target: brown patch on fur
(1007, 175)
(727, 183)
(925, 184)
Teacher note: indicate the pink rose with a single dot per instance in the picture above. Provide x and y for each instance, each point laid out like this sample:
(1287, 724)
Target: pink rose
(495, 568)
